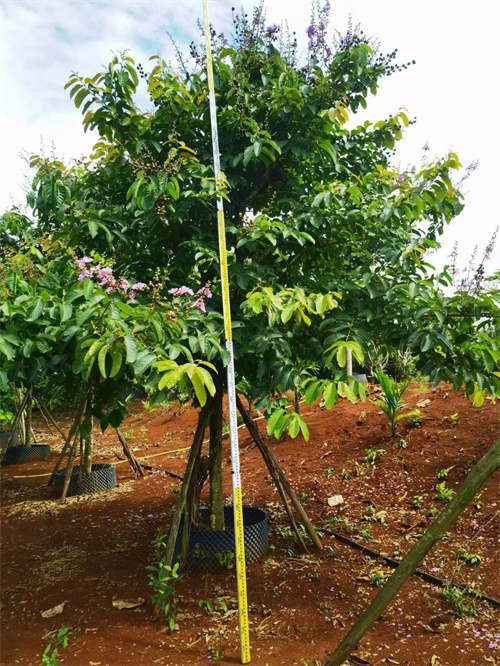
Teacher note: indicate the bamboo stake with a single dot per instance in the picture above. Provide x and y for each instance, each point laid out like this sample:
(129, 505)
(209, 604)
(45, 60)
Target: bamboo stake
(488, 464)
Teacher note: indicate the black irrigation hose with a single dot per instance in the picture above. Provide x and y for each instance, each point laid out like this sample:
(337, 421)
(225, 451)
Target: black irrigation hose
(394, 564)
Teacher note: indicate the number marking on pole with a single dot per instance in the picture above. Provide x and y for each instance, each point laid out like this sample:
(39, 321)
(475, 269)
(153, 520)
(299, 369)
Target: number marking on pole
(231, 389)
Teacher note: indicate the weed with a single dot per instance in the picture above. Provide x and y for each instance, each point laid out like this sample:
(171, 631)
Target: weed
(371, 456)
(148, 406)
(402, 444)
(391, 402)
(345, 474)
(473, 559)
(144, 435)
(203, 603)
(55, 640)
(330, 552)
(283, 532)
(269, 563)
(453, 419)
(366, 534)
(444, 494)
(370, 511)
(378, 578)
(443, 473)
(329, 472)
(463, 602)
(225, 558)
(129, 434)
(303, 497)
(418, 501)
(433, 511)
(415, 421)
(163, 580)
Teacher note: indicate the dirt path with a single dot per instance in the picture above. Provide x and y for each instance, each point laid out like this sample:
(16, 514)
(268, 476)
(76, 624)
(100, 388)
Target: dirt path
(90, 551)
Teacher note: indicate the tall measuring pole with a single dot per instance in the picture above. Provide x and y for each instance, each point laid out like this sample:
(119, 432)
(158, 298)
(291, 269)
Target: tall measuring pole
(231, 390)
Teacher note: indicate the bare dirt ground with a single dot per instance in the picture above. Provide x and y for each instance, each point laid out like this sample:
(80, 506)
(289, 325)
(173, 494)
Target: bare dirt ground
(89, 551)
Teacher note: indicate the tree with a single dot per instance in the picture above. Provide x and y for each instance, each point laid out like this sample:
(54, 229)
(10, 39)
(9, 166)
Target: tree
(327, 240)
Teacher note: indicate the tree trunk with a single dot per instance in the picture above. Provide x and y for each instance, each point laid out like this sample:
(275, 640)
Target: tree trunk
(89, 440)
(277, 473)
(181, 502)
(28, 417)
(473, 483)
(215, 462)
(297, 400)
(348, 369)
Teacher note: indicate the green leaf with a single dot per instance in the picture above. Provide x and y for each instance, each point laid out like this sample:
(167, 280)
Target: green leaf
(37, 311)
(102, 360)
(131, 348)
(273, 420)
(116, 360)
(199, 387)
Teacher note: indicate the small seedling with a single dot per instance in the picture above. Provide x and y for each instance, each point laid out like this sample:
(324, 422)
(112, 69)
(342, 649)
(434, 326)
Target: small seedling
(269, 562)
(225, 558)
(55, 640)
(378, 578)
(345, 474)
(463, 602)
(164, 579)
(391, 402)
(144, 435)
(371, 456)
(203, 603)
(444, 494)
(148, 406)
(402, 444)
(366, 534)
(224, 601)
(303, 497)
(433, 511)
(472, 559)
(330, 552)
(453, 419)
(129, 434)
(415, 421)
(329, 472)
(418, 501)
(443, 473)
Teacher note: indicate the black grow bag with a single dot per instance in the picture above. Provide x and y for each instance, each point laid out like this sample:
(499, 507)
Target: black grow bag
(101, 478)
(209, 550)
(23, 454)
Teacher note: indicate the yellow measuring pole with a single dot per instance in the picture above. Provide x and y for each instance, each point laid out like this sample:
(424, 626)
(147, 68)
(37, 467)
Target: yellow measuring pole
(231, 391)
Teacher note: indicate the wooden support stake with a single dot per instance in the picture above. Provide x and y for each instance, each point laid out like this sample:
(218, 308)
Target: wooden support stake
(14, 426)
(181, 502)
(134, 463)
(488, 464)
(277, 473)
(67, 443)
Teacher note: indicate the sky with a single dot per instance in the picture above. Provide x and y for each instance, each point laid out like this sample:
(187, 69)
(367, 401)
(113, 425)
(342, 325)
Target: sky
(453, 90)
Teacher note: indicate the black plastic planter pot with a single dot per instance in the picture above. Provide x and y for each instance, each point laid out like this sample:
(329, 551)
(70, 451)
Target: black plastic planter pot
(211, 551)
(5, 436)
(101, 478)
(16, 455)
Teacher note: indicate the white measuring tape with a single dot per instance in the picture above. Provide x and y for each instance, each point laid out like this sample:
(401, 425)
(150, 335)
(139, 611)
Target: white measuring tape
(231, 390)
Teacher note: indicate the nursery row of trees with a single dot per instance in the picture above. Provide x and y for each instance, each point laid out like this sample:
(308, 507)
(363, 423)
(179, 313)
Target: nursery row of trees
(109, 278)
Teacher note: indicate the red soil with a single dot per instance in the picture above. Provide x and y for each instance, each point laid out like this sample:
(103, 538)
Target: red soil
(89, 551)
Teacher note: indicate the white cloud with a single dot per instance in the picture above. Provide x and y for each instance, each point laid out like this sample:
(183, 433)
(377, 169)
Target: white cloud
(454, 90)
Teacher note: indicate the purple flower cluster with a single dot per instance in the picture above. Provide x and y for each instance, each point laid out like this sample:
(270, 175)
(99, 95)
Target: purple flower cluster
(105, 279)
(199, 303)
(317, 32)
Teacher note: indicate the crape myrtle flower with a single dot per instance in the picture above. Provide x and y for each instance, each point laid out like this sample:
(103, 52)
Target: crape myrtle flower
(81, 263)
(199, 304)
(204, 291)
(181, 291)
